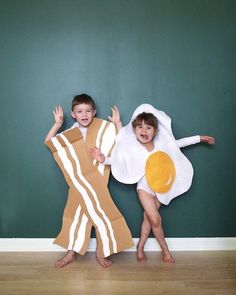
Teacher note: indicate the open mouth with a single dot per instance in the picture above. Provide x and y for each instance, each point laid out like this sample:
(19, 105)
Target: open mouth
(145, 137)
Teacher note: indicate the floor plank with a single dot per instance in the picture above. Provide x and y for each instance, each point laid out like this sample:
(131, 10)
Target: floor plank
(193, 273)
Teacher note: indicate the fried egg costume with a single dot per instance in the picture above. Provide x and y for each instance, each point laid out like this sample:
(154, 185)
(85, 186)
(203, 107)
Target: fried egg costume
(165, 171)
(89, 202)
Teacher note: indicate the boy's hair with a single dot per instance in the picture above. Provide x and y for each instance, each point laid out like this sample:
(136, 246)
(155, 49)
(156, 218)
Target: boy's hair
(147, 118)
(82, 98)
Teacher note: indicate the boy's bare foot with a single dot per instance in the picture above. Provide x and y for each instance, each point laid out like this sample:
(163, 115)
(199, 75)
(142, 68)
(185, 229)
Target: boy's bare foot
(68, 258)
(141, 255)
(104, 262)
(167, 258)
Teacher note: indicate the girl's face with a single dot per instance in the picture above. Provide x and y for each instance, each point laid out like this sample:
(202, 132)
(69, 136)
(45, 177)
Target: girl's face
(144, 133)
(83, 114)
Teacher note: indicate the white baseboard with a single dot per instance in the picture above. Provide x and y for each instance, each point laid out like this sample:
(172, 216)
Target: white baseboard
(175, 244)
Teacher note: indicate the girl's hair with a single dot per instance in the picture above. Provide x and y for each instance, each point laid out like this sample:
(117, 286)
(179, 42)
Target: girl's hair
(82, 98)
(147, 118)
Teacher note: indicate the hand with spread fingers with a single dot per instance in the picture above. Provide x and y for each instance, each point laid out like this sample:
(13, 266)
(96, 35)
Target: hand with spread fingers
(207, 139)
(97, 155)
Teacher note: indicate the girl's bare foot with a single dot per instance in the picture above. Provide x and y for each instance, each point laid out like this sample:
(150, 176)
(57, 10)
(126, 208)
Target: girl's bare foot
(167, 258)
(104, 262)
(68, 258)
(141, 255)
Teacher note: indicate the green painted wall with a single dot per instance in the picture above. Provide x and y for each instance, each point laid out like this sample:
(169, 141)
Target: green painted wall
(178, 55)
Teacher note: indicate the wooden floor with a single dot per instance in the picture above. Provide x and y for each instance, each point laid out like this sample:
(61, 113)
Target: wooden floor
(193, 273)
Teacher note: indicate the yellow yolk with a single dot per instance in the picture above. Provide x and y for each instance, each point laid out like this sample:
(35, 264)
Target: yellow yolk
(160, 172)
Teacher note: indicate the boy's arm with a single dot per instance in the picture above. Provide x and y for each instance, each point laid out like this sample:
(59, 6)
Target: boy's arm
(96, 153)
(58, 117)
(186, 141)
(115, 118)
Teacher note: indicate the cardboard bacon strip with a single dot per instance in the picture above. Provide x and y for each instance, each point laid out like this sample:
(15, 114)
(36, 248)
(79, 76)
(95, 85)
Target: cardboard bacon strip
(89, 202)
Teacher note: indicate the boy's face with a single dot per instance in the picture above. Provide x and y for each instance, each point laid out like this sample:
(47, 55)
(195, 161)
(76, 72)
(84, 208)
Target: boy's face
(144, 133)
(83, 114)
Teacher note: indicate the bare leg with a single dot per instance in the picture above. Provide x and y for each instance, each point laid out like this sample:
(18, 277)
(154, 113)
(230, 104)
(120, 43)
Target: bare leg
(104, 262)
(167, 257)
(68, 258)
(151, 206)
(145, 231)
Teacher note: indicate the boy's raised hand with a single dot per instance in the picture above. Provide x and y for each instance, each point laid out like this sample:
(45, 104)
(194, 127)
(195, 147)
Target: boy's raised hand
(207, 139)
(58, 115)
(115, 117)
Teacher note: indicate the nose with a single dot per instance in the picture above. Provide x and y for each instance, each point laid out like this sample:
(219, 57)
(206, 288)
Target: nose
(144, 129)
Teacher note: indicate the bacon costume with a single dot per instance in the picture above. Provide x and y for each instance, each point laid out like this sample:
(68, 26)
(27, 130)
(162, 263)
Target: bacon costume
(89, 202)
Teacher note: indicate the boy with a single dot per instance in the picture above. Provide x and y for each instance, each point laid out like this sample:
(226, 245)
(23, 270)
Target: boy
(89, 202)
(147, 153)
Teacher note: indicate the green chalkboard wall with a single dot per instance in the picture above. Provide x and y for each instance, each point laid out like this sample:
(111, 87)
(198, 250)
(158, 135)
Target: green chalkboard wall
(178, 55)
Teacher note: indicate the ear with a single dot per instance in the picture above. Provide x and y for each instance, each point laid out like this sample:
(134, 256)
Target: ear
(72, 114)
(94, 113)
(156, 131)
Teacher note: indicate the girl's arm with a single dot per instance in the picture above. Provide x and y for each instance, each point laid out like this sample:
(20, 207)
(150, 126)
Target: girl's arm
(186, 141)
(96, 154)
(207, 139)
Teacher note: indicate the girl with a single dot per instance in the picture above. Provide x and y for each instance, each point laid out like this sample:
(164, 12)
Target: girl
(147, 153)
